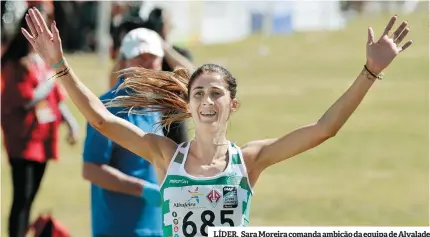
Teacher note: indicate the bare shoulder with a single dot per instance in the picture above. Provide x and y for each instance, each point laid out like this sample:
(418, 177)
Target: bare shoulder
(165, 148)
(251, 151)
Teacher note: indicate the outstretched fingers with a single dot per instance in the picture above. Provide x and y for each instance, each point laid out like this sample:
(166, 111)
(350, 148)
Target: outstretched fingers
(55, 32)
(30, 24)
(37, 25)
(405, 46)
(27, 35)
(370, 36)
(399, 30)
(402, 35)
(389, 26)
(42, 22)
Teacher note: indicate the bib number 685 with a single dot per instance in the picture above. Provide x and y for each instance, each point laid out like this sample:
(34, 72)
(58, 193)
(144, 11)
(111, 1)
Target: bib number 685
(207, 218)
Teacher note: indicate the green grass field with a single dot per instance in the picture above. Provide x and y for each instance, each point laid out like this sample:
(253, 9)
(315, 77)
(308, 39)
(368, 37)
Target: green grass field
(374, 172)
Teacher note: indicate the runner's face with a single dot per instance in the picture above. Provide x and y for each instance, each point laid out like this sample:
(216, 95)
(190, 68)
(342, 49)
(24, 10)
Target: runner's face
(210, 102)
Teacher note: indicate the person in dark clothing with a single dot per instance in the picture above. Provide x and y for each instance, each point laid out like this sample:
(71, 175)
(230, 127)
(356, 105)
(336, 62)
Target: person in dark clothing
(77, 32)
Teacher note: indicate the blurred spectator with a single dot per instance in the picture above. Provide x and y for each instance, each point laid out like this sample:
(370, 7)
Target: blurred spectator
(32, 110)
(89, 12)
(76, 21)
(68, 24)
(122, 183)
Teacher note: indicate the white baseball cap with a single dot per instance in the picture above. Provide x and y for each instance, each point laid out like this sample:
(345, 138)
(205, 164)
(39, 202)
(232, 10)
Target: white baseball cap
(140, 41)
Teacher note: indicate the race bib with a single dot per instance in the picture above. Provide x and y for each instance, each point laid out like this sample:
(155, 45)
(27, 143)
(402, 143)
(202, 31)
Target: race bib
(204, 207)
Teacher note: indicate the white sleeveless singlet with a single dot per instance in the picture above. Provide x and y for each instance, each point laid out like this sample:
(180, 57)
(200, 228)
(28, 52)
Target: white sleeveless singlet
(191, 204)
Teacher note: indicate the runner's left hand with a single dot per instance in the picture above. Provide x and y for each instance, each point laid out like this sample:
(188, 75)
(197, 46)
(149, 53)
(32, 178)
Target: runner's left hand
(382, 52)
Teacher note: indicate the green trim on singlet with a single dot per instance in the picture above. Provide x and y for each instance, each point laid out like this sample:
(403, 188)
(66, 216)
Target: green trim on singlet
(173, 181)
(167, 230)
(235, 159)
(244, 184)
(246, 206)
(179, 158)
(166, 207)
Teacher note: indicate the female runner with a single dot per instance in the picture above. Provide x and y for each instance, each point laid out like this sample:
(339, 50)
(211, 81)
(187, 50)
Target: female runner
(207, 181)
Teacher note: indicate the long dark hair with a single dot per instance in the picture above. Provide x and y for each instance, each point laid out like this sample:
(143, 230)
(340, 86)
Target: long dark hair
(126, 26)
(18, 47)
(155, 20)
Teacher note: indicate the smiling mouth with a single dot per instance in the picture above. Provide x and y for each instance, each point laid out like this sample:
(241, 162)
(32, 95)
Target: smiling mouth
(208, 114)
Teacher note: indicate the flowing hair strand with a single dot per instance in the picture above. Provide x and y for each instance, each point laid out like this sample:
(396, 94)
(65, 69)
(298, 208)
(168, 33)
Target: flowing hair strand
(154, 91)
